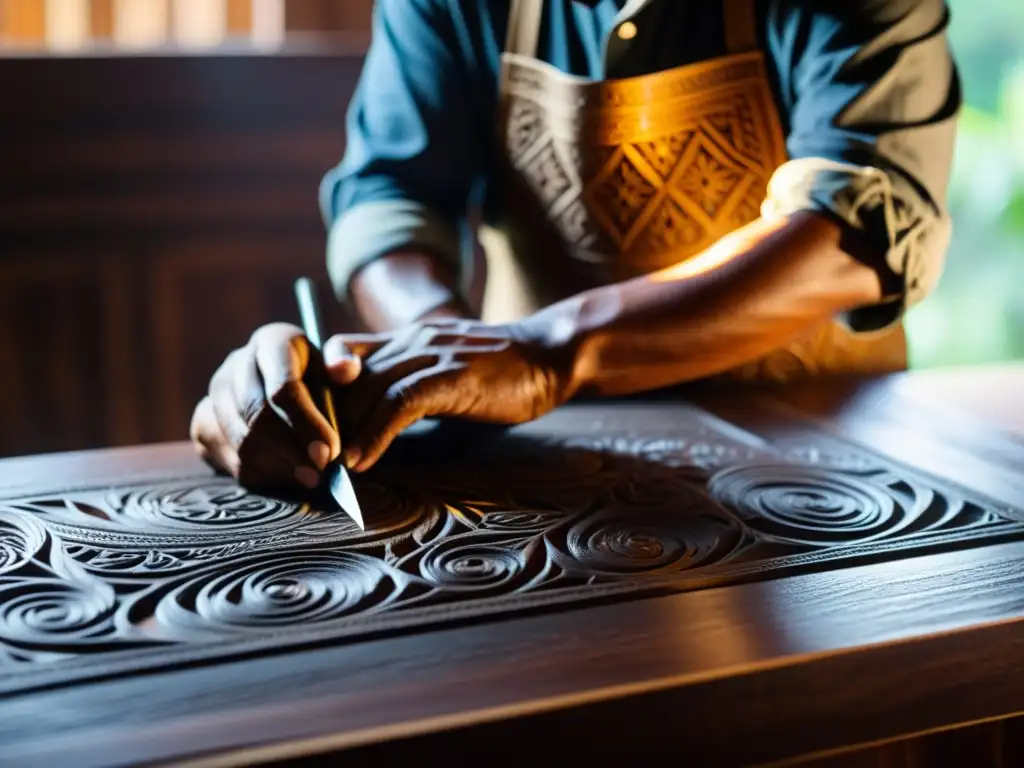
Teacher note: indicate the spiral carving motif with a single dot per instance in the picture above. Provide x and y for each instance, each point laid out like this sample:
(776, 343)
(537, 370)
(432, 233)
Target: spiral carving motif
(52, 612)
(280, 590)
(590, 505)
(217, 505)
(650, 543)
(807, 504)
(462, 565)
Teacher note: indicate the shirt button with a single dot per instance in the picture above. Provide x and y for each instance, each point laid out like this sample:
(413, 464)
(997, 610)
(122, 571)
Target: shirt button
(627, 31)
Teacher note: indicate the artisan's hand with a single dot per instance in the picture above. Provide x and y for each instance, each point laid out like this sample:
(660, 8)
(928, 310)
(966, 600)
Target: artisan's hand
(260, 421)
(459, 368)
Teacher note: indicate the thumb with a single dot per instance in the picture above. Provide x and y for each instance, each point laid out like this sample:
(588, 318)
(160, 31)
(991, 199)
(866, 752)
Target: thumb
(342, 364)
(361, 344)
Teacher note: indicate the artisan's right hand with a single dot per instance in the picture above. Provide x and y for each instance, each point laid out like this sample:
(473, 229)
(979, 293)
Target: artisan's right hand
(260, 422)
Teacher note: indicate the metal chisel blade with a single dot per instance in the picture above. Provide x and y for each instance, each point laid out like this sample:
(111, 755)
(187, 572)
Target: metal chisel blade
(344, 494)
(339, 483)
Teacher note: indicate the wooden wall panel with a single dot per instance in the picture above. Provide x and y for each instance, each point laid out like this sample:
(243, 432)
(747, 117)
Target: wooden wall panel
(23, 21)
(239, 13)
(356, 14)
(153, 211)
(245, 280)
(65, 336)
(328, 15)
(102, 19)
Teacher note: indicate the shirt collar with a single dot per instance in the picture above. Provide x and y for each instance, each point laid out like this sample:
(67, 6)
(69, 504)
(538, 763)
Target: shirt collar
(630, 9)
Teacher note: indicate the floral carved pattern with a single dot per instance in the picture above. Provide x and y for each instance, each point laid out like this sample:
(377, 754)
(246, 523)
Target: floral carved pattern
(667, 164)
(566, 510)
(710, 181)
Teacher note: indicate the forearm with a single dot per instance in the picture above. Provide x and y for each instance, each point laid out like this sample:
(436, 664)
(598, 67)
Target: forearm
(750, 294)
(404, 287)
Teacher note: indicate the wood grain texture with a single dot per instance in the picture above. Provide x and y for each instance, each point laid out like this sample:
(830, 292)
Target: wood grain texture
(992, 394)
(863, 602)
(88, 328)
(580, 506)
(737, 675)
(905, 416)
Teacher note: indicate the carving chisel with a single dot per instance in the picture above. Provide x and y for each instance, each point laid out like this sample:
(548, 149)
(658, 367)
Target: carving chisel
(338, 480)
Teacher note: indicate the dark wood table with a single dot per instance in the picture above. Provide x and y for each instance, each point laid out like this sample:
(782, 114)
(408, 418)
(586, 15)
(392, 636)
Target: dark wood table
(832, 574)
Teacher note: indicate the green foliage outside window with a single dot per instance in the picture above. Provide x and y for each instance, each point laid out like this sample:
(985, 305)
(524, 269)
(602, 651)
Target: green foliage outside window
(976, 315)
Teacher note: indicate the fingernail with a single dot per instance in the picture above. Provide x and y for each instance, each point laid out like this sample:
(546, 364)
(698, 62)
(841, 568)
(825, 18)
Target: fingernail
(307, 476)
(334, 353)
(319, 453)
(352, 456)
(344, 370)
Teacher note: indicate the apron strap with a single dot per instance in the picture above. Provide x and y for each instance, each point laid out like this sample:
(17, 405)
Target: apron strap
(524, 17)
(740, 26)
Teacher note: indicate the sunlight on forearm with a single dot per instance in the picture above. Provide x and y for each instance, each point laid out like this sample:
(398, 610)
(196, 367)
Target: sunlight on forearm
(724, 251)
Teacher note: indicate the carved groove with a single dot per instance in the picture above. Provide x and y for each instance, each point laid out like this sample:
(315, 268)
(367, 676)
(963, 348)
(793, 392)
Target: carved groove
(567, 510)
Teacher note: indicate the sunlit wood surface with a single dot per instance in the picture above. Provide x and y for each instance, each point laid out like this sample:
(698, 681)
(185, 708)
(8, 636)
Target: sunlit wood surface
(884, 629)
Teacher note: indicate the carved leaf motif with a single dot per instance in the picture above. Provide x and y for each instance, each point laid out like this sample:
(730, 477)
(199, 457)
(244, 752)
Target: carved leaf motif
(669, 230)
(520, 522)
(151, 561)
(620, 196)
(709, 181)
(664, 154)
(21, 539)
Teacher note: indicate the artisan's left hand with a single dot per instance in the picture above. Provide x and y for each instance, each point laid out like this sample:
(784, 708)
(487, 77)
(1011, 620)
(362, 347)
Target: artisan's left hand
(460, 368)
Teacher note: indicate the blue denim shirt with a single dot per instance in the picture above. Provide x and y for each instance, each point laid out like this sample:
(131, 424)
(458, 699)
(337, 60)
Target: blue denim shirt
(867, 91)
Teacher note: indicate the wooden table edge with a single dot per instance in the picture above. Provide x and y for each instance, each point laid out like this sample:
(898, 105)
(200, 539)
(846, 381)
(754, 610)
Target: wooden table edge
(313, 721)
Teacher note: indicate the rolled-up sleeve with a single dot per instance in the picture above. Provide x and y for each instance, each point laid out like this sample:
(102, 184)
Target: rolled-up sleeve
(871, 95)
(413, 146)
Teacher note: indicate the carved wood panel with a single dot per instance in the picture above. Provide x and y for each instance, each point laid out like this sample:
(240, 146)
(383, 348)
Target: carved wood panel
(592, 503)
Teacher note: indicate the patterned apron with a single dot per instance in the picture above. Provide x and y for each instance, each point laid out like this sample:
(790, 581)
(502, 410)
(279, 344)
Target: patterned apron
(609, 180)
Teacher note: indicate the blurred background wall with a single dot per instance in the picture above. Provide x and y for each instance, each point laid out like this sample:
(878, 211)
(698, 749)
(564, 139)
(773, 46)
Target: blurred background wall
(977, 314)
(159, 169)
(159, 165)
